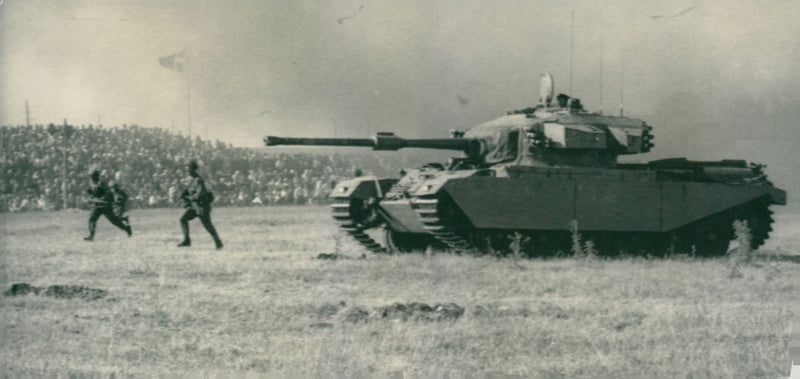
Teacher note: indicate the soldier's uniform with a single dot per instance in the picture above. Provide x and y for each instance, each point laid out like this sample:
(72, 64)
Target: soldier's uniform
(103, 198)
(197, 201)
(120, 201)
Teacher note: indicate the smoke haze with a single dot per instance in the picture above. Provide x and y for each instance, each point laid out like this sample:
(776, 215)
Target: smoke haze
(716, 82)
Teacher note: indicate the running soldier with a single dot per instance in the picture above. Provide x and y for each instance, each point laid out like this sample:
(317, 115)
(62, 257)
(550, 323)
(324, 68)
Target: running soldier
(103, 197)
(120, 199)
(197, 201)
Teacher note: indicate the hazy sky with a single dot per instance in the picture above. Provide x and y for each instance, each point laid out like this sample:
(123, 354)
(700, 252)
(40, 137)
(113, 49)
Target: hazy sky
(716, 79)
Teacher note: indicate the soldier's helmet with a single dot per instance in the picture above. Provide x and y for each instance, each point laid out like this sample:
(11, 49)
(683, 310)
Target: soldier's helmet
(94, 173)
(192, 165)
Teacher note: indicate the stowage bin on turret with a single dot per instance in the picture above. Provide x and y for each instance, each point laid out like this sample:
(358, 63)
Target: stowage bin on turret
(539, 170)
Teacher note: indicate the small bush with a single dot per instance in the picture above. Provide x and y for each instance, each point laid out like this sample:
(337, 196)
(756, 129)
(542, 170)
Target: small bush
(581, 249)
(577, 250)
(737, 257)
(516, 245)
(743, 236)
(589, 249)
(489, 248)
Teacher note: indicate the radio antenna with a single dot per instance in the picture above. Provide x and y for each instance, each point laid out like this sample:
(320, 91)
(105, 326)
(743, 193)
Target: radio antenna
(622, 87)
(601, 66)
(571, 46)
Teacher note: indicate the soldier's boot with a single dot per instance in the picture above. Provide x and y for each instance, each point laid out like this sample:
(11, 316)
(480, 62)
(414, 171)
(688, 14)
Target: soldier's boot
(90, 237)
(214, 235)
(185, 229)
(128, 230)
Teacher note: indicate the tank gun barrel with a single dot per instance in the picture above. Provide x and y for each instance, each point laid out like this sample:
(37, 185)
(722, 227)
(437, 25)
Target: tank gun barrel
(275, 141)
(381, 141)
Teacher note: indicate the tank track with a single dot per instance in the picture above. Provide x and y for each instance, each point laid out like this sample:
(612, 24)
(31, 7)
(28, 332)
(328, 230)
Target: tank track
(759, 219)
(429, 213)
(712, 235)
(340, 210)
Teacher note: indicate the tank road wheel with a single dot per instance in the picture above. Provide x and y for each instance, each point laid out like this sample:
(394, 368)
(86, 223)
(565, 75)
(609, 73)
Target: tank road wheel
(759, 221)
(488, 242)
(549, 243)
(710, 236)
(399, 242)
(644, 244)
(715, 240)
(365, 212)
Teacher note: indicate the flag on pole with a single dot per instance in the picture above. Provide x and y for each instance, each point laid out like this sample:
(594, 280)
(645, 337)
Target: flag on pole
(172, 62)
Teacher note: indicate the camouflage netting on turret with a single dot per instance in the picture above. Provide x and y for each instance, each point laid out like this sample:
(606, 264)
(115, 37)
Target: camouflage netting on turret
(499, 139)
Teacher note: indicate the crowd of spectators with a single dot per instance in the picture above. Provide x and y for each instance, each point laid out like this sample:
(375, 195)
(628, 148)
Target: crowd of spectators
(149, 163)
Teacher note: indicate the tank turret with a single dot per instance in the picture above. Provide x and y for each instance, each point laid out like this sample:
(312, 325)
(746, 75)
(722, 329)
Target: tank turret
(560, 134)
(538, 136)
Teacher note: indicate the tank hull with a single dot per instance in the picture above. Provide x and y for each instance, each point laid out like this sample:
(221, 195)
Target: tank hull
(535, 203)
(632, 210)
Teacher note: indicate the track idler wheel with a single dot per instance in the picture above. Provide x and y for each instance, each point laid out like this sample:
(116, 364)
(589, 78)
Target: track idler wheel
(353, 217)
(406, 242)
(759, 220)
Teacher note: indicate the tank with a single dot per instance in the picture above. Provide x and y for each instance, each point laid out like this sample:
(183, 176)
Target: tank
(542, 172)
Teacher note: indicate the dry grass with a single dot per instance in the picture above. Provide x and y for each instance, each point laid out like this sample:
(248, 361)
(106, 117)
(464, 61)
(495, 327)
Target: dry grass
(265, 305)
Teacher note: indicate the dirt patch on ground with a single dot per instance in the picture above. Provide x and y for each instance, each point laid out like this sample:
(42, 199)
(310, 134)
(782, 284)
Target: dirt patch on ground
(328, 256)
(421, 311)
(356, 315)
(414, 311)
(329, 309)
(626, 320)
(542, 309)
(21, 289)
(57, 291)
(322, 325)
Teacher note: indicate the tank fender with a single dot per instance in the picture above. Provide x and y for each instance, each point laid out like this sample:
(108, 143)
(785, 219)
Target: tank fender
(778, 196)
(433, 185)
(361, 188)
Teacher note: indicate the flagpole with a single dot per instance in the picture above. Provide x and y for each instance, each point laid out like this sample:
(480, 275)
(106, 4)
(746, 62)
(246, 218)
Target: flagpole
(169, 62)
(188, 98)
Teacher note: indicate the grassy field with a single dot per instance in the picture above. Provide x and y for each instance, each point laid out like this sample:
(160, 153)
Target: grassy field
(266, 305)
